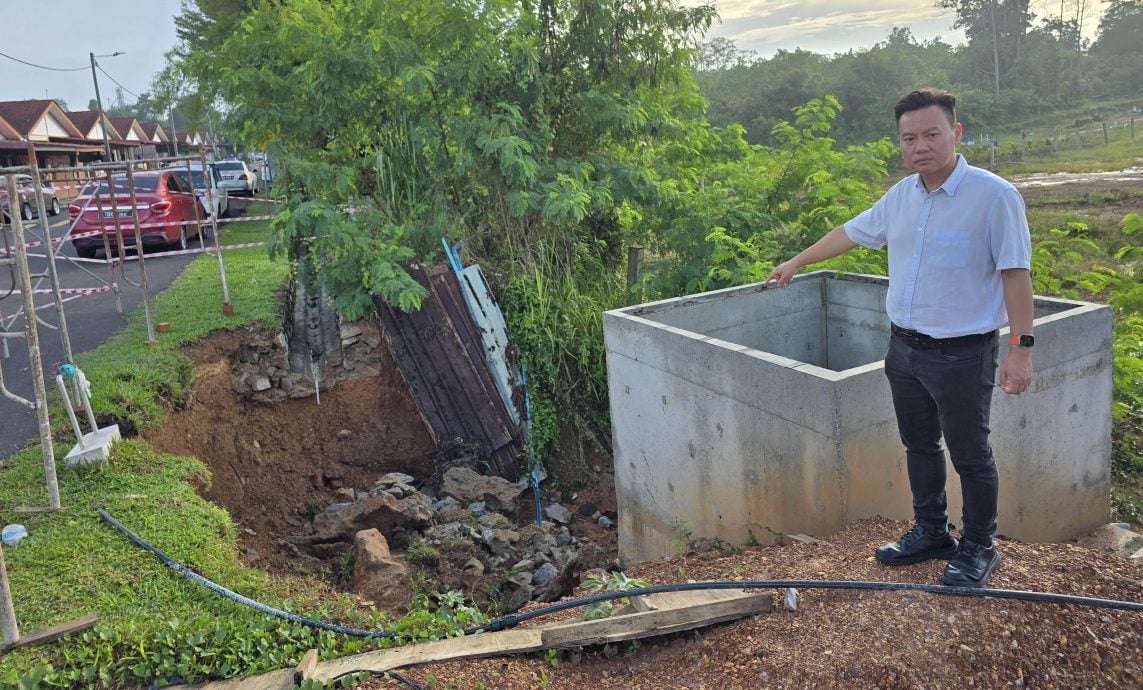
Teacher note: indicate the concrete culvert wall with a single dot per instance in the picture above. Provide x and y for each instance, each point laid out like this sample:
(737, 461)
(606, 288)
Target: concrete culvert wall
(748, 413)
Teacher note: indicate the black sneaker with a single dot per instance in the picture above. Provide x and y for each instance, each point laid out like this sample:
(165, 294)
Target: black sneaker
(972, 565)
(917, 545)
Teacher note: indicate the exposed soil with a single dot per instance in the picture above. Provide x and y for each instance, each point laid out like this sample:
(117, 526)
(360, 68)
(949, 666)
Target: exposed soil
(274, 465)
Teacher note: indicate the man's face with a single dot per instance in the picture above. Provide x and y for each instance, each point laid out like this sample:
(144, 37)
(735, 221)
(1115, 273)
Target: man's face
(928, 141)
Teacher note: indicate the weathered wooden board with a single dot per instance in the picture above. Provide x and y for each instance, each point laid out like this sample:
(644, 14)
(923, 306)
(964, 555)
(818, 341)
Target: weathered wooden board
(53, 633)
(275, 680)
(669, 612)
(472, 646)
(658, 614)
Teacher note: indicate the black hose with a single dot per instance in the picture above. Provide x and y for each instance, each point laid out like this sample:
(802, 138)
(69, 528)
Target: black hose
(285, 615)
(511, 620)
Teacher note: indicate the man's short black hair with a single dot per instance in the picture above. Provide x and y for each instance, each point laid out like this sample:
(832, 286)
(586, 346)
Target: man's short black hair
(923, 98)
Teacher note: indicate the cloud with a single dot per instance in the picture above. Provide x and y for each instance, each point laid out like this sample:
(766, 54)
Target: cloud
(827, 26)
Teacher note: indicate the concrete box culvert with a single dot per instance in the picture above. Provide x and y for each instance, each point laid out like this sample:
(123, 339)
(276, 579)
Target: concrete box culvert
(752, 412)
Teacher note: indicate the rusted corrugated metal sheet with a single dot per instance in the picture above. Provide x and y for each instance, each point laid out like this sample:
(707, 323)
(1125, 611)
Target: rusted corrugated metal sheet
(442, 360)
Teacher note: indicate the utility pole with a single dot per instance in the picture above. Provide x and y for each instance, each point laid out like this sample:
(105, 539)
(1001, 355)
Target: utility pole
(99, 104)
(174, 135)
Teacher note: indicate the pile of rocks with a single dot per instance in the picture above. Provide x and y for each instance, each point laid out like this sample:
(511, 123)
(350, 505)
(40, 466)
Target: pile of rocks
(465, 529)
(261, 368)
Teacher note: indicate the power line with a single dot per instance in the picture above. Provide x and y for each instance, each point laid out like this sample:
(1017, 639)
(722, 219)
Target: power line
(54, 69)
(100, 68)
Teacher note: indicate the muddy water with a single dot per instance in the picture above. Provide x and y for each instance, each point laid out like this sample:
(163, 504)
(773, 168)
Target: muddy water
(1130, 176)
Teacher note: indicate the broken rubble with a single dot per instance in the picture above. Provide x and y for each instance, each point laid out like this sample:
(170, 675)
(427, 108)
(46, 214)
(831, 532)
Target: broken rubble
(468, 486)
(466, 521)
(377, 575)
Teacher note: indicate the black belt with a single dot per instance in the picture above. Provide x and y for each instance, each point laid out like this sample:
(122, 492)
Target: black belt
(920, 340)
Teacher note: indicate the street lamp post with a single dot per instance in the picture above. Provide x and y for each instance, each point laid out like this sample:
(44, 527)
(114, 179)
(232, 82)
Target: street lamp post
(99, 104)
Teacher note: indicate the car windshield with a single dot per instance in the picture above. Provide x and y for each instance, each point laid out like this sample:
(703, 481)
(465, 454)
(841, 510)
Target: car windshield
(229, 165)
(195, 176)
(142, 184)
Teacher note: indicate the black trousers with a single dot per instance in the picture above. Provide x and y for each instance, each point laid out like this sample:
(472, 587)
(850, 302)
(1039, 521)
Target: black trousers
(943, 388)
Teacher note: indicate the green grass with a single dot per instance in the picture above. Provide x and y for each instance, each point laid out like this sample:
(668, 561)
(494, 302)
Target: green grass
(1092, 155)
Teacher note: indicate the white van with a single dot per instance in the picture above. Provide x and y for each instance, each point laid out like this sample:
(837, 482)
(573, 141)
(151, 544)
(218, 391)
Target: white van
(192, 172)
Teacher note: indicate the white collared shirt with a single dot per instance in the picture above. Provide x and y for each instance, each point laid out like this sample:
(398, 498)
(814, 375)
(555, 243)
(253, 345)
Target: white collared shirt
(947, 249)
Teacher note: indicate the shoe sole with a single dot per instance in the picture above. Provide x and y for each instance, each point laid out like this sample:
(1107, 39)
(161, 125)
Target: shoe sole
(978, 583)
(919, 558)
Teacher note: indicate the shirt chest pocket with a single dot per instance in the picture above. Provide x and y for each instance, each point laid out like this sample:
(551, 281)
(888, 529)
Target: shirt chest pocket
(950, 248)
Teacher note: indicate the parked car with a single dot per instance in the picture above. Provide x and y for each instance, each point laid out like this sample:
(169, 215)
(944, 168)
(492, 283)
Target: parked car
(26, 189)
(237, 177)
(165, 203)
(219, 199)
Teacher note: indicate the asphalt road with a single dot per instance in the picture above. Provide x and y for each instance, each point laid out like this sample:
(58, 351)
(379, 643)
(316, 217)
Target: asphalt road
(91, 319)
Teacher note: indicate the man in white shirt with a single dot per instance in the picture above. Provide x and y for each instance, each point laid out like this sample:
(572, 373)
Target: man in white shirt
(959, 269)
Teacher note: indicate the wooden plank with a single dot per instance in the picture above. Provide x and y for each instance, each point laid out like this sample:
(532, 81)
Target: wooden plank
(472, 646)
(670, 618)
(275, 680)
(305, 667)
(53, 633)
(676, 611)
(668, 612)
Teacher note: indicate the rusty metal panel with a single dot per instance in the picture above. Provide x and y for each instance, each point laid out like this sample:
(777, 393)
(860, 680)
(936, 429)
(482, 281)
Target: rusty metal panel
(441, 357)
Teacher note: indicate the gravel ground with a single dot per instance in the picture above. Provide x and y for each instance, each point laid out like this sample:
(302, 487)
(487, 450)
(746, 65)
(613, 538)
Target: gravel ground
(857, 639)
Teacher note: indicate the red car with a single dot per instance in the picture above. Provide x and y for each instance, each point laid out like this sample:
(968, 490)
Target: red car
(167, 212)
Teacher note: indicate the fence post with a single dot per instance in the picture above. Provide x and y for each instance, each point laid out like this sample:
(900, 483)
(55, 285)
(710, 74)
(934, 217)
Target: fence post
(7, 610)
(634, 258)
(35, 360)
(1105, 134)
(1132, 128)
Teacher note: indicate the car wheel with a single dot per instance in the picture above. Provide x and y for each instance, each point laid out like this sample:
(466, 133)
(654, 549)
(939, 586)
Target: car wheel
(182, 241)
(85, 252)
(54, 209)
(26, 211)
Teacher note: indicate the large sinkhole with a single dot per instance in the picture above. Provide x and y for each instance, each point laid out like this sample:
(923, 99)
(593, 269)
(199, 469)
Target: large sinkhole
(277, 465)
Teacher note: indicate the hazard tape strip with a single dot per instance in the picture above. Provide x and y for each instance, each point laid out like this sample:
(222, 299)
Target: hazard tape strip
(128, 229)
(128, 226)
(70, 291)
(57, 240)
(196, 250)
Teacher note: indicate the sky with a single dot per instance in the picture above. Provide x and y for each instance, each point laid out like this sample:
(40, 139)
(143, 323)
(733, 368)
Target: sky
(61, 33)
(826, 26)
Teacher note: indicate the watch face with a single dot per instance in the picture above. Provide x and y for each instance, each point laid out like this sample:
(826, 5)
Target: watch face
(1027, 340)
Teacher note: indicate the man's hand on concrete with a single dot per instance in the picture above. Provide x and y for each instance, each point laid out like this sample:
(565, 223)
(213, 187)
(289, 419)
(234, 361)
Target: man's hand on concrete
(783, 273)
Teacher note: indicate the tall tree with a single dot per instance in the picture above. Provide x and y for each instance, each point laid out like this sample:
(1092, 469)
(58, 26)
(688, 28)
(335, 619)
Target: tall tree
(1118, 49)
(993, 27)
(1120, 28)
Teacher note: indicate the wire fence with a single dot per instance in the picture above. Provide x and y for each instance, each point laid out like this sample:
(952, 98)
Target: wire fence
(1119, 128)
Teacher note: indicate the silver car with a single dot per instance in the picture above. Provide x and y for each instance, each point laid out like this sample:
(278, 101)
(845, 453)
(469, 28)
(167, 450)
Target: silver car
(26, 200)
(237, 177)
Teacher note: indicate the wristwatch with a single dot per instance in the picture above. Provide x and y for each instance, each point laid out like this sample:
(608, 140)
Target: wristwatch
(1026, 341)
